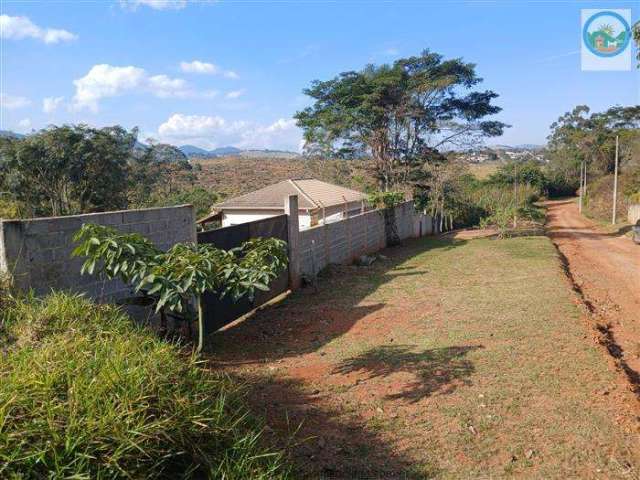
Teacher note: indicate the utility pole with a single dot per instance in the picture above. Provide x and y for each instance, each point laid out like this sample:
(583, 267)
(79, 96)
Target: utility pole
(581, 185)
(615, 184)
(515, 194)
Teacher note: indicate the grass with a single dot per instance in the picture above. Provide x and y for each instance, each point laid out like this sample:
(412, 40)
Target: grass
(85, 394)
(450, 359)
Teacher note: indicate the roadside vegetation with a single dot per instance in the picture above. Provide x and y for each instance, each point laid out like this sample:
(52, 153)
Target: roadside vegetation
(582, 141)
(87, 394)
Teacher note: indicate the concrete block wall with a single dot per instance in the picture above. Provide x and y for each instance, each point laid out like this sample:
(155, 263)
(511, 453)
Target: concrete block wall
(37, 252)
(343, 241)
(634, 214)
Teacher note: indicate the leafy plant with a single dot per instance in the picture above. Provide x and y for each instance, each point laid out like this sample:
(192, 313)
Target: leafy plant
(501, 219)
(380, 199)
(182, 274)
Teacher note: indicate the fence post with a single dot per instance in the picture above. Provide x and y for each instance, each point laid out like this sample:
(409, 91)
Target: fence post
(293, 239)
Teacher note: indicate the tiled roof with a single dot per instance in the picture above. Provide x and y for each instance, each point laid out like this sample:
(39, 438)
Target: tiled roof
(312, 194)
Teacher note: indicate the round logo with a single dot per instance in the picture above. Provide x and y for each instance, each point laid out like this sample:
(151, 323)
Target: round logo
(606, 34)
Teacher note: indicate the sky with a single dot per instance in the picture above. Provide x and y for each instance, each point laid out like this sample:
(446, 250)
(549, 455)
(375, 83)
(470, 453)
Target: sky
(218, 73)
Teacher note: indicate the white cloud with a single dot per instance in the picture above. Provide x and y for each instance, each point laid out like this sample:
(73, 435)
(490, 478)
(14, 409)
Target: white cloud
(17, 28)
(51, 104)
(205, 68)
(235, 94)
(199, 67)
(9, 102)
(155, 4)
(214, 131)
(162, 86)
(104, 81)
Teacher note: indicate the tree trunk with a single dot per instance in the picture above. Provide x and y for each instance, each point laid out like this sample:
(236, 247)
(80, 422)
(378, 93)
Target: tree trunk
(200, 324)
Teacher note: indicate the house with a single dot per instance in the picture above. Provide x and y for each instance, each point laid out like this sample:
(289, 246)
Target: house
(318, 202)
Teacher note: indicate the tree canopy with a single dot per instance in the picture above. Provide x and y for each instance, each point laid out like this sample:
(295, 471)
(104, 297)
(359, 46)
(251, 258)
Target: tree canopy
(71, 169)
(401, 115)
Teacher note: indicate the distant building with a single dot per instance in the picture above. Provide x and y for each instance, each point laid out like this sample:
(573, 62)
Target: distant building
(318, 202)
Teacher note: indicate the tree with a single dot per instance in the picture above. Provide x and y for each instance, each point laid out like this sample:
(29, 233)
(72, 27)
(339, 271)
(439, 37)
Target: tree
(182, 274)
(401, 114)
(69, 169)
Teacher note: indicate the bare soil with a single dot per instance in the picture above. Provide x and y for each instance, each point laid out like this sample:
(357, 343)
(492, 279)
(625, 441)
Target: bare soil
(605, 269)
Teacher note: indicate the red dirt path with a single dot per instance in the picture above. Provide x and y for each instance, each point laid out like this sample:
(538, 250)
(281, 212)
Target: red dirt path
(605, 268)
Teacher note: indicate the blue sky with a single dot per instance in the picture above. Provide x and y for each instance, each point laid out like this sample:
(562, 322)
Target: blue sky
(232, 72)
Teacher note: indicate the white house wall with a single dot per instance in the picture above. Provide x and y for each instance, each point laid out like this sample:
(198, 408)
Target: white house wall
(235, 217)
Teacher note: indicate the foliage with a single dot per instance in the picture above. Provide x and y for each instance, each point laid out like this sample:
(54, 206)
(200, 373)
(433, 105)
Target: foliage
(68, 169)
(379, 199)
(73, 169)
(455, 198)
(183, 273)
(87, 394)
(398, 114)
(526, 173)
(580, 138)
(201, 199)
(502, 218)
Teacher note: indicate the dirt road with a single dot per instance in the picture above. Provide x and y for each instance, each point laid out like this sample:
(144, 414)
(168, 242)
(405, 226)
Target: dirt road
(605, 268)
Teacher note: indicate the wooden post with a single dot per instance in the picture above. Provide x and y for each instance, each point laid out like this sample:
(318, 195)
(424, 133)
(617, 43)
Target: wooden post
(615, 185)
(293, 240)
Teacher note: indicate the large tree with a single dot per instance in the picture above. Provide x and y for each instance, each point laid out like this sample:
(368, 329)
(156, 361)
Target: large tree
(401, 115)
(74, 169)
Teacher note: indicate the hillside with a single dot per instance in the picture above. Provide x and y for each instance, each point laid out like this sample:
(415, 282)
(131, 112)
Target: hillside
(234, 175)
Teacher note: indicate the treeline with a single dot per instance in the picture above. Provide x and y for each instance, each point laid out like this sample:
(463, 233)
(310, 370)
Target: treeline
(72, 169)
(581, 153)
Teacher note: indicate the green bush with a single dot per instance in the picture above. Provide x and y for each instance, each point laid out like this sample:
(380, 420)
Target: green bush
(87, 394)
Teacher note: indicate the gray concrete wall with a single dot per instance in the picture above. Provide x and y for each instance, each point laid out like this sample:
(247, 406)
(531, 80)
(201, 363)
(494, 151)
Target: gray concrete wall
(634, 214)
(37, 252)
(343, 241)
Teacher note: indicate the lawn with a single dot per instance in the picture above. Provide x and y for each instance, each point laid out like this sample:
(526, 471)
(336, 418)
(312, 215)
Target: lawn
(445, 359)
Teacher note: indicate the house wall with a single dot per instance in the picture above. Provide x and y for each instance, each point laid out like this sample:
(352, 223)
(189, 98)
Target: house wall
(235, 217)
(37, 252)
(306, 219)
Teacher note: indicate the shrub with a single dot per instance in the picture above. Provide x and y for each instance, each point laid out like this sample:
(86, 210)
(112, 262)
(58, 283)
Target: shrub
(87, 394)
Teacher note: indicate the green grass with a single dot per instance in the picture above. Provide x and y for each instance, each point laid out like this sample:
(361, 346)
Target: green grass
(85, 394)
(472, 361)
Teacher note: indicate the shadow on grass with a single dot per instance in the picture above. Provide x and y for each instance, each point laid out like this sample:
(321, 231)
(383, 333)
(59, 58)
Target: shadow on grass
(333, 441)
(309, 319)
(322, 442)
(437, 370)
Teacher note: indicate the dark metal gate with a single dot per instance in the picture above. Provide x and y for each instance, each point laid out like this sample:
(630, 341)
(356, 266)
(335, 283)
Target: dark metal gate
(219, 312)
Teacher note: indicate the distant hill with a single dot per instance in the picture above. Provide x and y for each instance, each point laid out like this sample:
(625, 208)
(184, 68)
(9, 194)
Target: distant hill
(192, 151)
(522, 146)
(219, 152)
(10, 134)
